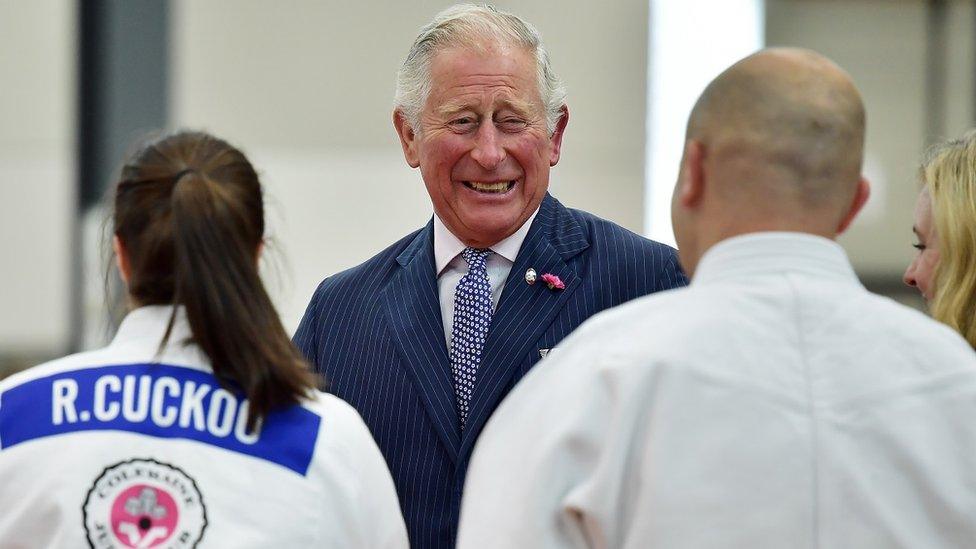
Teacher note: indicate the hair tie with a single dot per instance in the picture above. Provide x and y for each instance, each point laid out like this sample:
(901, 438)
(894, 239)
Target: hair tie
(180, 175)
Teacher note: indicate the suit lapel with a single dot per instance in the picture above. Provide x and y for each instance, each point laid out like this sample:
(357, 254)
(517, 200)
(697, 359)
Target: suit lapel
(525, 311)
(413, 308)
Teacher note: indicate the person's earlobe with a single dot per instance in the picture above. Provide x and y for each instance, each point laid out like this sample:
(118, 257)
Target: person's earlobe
(557, 135)
(121, 258)
(408, 138)
(861, 196)
(691, 187)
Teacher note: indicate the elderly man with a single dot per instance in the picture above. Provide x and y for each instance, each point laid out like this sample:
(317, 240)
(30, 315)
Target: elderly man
(774, 402)
(425, 338)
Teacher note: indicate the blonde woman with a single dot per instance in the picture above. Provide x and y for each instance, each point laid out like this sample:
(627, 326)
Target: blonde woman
(944, 269)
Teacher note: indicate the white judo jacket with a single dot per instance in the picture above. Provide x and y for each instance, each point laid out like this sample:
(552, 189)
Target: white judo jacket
(774, 403)
(123, 448)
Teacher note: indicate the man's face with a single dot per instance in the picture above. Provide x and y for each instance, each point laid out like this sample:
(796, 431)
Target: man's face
(483, 148)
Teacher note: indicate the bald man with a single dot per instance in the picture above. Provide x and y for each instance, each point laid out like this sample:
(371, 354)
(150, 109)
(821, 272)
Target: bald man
(773, 403)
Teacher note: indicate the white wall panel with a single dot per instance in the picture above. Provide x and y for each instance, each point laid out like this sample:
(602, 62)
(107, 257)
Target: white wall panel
(36, 174)
(306, 89)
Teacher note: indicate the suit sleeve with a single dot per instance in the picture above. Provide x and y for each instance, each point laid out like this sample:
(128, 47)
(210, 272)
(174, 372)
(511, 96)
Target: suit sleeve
(672, 275)
(307, 335)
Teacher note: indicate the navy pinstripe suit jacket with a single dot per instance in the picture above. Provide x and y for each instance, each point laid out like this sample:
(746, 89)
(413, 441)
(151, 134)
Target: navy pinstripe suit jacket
(376, 333)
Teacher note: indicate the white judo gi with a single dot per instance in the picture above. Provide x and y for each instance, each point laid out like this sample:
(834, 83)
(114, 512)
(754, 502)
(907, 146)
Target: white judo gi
(774, 403)
(121, 448)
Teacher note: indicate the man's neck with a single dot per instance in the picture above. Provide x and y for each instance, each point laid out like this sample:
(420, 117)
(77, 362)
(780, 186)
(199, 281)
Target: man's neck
(447, 245)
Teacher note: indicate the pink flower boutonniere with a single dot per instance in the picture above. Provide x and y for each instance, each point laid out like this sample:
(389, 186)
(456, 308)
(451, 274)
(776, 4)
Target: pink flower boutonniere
(553, 282)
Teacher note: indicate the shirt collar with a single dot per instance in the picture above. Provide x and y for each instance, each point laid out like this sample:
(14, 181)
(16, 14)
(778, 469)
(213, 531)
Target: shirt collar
(761, 253)
(149, 323)
(447, 246)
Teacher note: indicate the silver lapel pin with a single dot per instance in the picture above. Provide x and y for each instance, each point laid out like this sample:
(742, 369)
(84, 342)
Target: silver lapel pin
(530, 276)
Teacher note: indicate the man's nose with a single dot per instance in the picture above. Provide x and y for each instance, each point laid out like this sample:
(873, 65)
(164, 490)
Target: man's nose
(488, 151)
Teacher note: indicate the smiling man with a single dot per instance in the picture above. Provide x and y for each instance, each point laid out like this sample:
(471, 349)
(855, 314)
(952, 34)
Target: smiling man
(484, 144)
(428, 336)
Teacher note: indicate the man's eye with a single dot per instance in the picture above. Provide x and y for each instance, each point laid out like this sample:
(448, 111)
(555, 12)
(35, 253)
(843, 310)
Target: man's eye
(918, 246)
(512, 124)
(463, 123)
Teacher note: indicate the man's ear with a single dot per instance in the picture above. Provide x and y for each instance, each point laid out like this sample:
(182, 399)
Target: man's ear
(691, 179)
(408, 138)
(557, 135)
(860, 199)
(121, 258)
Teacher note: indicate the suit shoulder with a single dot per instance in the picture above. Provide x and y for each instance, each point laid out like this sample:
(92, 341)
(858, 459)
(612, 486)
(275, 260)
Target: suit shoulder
(601, 231)
(368, 273)
(349, 295)
(641, 262)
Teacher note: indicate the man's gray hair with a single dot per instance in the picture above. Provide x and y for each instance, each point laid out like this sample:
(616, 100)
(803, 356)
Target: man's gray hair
(463, 25)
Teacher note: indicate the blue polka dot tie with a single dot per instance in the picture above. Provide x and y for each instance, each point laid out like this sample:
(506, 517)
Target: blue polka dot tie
(472, 317)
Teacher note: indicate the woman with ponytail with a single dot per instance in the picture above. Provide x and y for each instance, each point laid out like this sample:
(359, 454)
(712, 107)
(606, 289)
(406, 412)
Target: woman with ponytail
(944, 268)
(200, 422)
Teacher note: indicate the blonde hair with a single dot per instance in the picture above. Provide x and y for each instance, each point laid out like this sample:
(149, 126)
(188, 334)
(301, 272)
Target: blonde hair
(949, 171)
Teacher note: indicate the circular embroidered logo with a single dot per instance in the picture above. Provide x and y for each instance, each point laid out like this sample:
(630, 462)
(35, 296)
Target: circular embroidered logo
(143, 503)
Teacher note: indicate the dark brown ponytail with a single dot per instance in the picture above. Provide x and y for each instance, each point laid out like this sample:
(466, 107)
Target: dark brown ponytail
(190, 214)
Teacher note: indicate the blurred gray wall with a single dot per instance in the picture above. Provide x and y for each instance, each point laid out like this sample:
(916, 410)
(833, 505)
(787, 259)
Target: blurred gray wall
(883, 45)
(37, 185)
(305, 88)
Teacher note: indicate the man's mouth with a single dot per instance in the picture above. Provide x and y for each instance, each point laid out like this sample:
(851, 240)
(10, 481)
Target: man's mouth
(490, 188)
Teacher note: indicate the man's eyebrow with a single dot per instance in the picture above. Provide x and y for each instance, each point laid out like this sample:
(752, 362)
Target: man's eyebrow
(915, 230)
(452, 107)
(523, 108)
(517, 105)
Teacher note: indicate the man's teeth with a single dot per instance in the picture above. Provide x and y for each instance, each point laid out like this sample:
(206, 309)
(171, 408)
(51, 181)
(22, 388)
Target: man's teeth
(499, 187)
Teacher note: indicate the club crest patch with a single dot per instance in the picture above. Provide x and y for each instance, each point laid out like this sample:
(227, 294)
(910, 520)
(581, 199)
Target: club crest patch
(143, 503)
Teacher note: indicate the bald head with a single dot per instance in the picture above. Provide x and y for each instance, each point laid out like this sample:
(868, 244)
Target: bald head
(774, 144)
(787, 124)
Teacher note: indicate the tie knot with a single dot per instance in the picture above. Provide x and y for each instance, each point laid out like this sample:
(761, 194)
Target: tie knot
(476, 258)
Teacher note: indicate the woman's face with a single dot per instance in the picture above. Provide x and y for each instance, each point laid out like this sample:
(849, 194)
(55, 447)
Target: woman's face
(921, 272)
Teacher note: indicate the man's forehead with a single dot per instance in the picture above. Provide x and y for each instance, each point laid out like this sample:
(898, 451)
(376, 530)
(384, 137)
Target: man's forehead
(478, 102)
(461, 65)
(490, 50)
